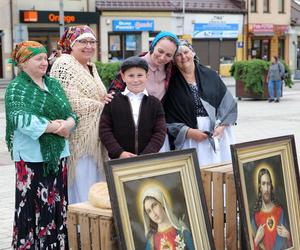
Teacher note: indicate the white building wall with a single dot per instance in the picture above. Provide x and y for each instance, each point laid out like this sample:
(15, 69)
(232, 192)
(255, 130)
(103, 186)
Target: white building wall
(5, 26)
(17, 5)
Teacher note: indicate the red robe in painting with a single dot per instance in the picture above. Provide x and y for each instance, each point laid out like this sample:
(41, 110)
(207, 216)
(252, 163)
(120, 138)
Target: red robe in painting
(167, 237)
(272, 219)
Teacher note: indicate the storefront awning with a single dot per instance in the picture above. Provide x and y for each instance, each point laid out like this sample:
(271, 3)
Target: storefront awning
(262, 33)
(261, 29)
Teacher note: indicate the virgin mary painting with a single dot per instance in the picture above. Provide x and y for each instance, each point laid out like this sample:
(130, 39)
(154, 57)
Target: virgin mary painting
(163, 230)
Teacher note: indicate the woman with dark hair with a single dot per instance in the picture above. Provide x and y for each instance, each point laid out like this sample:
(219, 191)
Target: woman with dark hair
(39, 118)
(199, 109)
(274, 79)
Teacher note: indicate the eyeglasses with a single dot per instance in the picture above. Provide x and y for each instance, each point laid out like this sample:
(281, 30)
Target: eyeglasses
(86, 42)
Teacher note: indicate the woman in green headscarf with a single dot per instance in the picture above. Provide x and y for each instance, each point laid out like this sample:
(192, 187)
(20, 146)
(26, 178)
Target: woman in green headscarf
(38, 121)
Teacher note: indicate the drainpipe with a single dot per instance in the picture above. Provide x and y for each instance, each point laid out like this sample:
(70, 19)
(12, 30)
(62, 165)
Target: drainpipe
(12, 33)
(247, 29)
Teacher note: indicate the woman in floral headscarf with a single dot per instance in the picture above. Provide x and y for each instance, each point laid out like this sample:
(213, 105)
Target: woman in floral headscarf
(87, 96)
(38, 119)
(162, 228)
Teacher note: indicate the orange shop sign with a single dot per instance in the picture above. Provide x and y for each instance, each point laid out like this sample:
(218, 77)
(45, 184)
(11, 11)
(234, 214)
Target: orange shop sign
(53, 18)
(30, 16)
(78, 17)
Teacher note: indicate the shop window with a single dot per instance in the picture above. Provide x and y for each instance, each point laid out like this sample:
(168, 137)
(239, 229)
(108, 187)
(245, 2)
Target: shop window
(253, 5)
(281, 48)
(122, 46)
(280, 6)
(266, 6)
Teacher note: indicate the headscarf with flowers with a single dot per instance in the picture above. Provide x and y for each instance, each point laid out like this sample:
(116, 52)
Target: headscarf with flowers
(72, 34)
(24, 98)
(25, 50)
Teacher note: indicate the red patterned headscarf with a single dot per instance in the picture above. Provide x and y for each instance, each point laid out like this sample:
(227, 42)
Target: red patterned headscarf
(72, 34)
(25, 50)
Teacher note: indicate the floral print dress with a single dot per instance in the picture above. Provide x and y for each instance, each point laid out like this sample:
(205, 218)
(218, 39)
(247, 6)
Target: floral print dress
(40, 207)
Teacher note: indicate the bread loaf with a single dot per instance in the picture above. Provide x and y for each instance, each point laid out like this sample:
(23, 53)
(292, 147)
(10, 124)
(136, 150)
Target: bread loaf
(99, 196)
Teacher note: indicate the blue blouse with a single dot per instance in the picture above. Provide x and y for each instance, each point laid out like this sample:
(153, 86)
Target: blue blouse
(26, 144)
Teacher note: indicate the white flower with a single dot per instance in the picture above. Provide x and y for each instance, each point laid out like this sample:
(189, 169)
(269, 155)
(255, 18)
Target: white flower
(180, 245)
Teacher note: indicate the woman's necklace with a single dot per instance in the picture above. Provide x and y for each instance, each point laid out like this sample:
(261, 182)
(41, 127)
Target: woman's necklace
(190, 79)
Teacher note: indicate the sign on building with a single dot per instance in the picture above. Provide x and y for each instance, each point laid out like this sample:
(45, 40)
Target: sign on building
(217, 26)
(133, 25)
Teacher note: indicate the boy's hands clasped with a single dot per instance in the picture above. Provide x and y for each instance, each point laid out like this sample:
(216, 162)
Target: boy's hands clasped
(126, 154)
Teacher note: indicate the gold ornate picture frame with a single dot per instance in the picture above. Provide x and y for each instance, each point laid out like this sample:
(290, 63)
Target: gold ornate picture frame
(267, 181)
(151, 191)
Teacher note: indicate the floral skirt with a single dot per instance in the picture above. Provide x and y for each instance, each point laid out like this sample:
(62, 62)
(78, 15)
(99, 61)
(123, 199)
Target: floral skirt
(40, 207)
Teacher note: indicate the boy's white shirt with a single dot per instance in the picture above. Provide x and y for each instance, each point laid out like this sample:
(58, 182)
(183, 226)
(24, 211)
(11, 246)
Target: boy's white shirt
(135, 101)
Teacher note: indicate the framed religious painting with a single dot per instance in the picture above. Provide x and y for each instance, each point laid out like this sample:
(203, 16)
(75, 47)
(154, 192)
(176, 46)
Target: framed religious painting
(267, 182)
(158, 202)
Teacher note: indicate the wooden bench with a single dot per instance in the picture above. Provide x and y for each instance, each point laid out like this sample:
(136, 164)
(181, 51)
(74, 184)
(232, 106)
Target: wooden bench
(90, 228)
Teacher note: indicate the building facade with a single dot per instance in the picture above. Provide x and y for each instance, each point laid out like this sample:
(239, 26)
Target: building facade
(267, 29)
(5, 39)
(294, 41)
(214, 28)
(39, 21)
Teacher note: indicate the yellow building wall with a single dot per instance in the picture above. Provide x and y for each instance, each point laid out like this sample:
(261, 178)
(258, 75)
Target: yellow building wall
(274, 46)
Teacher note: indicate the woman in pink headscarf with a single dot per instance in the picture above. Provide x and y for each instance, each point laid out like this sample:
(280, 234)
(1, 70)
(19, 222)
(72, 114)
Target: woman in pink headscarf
(87, 96)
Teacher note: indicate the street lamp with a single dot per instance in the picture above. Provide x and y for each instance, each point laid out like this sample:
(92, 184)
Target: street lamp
(183, 14)
(61, 18)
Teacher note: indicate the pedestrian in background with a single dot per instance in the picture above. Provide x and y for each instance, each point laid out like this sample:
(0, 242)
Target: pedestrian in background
(39, 118)
(199, 109)
(274, 79)
(86, 93)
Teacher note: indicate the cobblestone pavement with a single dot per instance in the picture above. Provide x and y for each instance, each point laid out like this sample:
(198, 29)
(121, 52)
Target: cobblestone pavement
(257, 119)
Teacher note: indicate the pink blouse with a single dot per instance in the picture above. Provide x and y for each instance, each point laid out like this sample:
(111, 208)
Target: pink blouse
(155, 84)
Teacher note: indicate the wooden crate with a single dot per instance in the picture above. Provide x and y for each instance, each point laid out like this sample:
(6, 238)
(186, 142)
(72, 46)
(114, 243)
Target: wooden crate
(90, 228)
(220, 194)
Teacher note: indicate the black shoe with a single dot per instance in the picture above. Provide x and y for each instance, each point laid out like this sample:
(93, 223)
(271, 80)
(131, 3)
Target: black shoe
(271, 100)
(277, 100)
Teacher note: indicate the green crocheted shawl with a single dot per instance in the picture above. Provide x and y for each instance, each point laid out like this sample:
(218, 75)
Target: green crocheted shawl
(24, 98)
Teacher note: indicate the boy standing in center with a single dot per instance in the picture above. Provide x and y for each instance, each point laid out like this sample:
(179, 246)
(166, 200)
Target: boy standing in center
(133, 123)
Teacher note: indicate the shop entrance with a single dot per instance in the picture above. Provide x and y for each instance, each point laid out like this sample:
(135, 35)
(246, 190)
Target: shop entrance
(260, 49)
(213, 52)
(48, 37)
